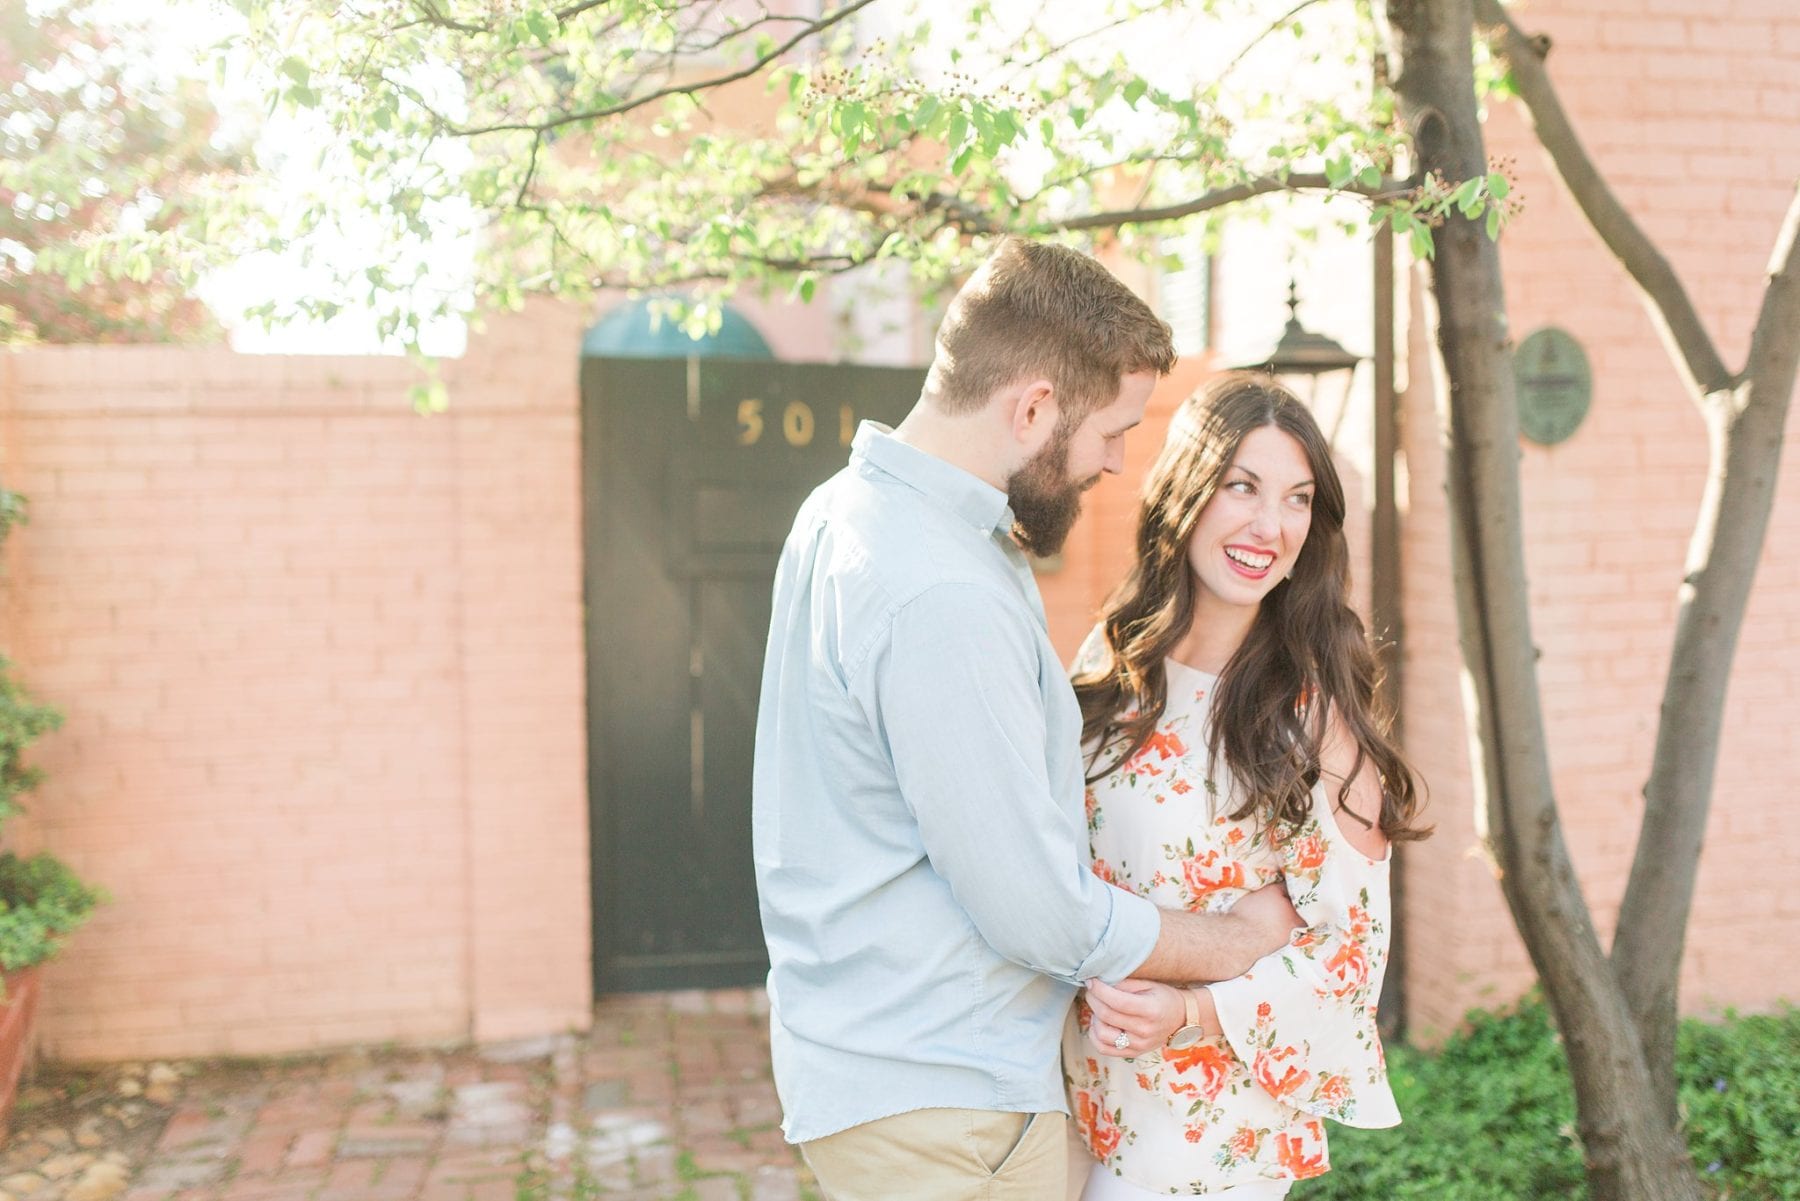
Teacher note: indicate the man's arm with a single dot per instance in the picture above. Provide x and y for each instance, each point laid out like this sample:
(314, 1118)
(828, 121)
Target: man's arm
(954, 694)
(1204, 947)
(1192, 948)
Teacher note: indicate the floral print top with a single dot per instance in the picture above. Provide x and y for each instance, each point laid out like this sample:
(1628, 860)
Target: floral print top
(1300, 1042)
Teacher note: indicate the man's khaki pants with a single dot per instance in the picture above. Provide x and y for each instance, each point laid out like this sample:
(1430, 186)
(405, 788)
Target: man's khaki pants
(944, 1155)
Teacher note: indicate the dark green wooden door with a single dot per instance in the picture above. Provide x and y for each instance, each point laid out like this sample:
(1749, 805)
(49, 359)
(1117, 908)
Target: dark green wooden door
(692, 473)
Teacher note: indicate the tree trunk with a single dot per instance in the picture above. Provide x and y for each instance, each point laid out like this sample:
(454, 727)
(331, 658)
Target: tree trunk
(1745, 417)
(1632, 1153)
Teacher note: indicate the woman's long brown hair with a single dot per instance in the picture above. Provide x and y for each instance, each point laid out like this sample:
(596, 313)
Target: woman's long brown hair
(1306, 655)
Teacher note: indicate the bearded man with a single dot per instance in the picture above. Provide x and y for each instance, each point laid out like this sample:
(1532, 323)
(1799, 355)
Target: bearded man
(921, 852)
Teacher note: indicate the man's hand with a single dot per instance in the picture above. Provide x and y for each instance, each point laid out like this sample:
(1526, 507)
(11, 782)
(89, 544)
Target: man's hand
(1271, 915)
(1208, 947)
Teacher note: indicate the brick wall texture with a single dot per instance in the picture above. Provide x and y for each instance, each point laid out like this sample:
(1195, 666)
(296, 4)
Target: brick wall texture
(321, 661)
(1689, 109)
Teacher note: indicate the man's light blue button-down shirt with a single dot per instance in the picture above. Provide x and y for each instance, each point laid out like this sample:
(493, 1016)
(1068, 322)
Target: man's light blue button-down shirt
(921, 850)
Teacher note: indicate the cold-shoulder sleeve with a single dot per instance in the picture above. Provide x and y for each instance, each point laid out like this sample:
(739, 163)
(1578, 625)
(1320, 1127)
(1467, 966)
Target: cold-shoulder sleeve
(1092, 653)
(1302, 1020)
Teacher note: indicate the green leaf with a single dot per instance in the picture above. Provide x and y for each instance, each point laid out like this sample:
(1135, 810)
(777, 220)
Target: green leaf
(296, 70)
(1493, 224)
(1369, 177)
(1134, 91)
(1497, 186)
(430, 397)
(1337, 171)
(1467, 197)
(1422, 247)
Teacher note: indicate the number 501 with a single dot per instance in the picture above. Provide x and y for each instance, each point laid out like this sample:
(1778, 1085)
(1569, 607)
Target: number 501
(797, 423)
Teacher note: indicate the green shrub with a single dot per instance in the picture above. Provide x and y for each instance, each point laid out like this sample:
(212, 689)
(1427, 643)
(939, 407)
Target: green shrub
(22, 721)
(40, 898)
(1740, 1089)
(40, 901)
(1490, 1116)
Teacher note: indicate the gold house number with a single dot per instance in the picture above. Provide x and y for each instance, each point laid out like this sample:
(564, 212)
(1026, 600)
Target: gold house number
(797, 423)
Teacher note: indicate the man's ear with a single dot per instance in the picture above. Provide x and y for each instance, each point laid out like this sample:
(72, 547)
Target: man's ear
(1034, 415)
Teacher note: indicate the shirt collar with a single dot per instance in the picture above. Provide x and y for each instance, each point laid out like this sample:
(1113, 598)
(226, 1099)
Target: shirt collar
(974, 500)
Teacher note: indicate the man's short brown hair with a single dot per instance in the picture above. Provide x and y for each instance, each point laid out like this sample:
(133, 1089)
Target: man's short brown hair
(1038, 310)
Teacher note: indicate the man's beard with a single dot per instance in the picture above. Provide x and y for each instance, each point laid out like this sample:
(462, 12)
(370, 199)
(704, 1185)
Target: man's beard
(1045, 501)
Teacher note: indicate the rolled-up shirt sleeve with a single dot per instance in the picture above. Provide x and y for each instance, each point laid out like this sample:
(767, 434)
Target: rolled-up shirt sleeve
(956, 690)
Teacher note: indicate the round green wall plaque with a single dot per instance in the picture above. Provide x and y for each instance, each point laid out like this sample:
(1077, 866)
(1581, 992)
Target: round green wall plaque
(1550, 372)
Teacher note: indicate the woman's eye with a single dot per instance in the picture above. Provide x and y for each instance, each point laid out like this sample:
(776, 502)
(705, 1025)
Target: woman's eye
(1302, 500)
(1243, 486)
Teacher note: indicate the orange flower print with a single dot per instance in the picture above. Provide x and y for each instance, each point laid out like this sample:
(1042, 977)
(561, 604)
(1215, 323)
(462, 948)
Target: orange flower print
(1090, 804)
(1243, 1144)
(1159, 748)
(1290, 1081)
(1166, 743)
(1359, 922)
(1097, 1126)
(1291, 1150)
(1333, 1090)
(1195, 1131)
(1214, 1062)
(1143, 1081)
(1105, 871)
(1308, 854)
(1349, 966)
(1263, 1010)
(1205, 875)
(1180, 787)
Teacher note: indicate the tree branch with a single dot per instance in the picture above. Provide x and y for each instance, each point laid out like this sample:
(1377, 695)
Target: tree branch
(436, 18)
(812, 29)
(1745, 441)
(1775, 342)
(1218, 198)
(1258, 40)
(1680, 324)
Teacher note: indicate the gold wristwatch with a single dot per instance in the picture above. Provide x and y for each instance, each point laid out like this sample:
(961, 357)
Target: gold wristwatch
(1191, 1031)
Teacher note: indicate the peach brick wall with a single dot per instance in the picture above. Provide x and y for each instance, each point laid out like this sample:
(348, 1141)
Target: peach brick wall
(321, 661)
(1688, 106)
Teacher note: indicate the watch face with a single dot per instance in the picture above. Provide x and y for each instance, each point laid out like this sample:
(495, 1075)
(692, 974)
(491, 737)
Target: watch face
(1186, 1037)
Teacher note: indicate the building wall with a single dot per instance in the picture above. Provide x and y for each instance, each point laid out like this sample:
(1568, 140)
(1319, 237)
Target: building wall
(321, 662)
(1688, 109)
(322, 658)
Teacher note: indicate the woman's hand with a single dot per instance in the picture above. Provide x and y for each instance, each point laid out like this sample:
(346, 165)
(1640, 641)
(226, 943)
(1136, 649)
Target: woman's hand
(1146, 1012)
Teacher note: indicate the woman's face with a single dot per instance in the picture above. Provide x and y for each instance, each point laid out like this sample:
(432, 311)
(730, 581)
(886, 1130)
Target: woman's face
(1250, 533)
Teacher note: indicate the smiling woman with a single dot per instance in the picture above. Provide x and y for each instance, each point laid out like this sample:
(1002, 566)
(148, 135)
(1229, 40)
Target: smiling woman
(1233, 743)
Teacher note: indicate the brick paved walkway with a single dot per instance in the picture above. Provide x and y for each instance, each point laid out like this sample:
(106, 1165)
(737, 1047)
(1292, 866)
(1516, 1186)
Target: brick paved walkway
(668, 1097)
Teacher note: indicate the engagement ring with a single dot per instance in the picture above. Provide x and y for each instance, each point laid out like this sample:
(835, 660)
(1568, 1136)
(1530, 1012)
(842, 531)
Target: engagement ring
(1123, 1041)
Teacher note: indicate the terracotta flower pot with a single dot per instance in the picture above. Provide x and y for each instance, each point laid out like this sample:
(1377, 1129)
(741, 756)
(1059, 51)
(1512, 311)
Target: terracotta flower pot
(17, 1011)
